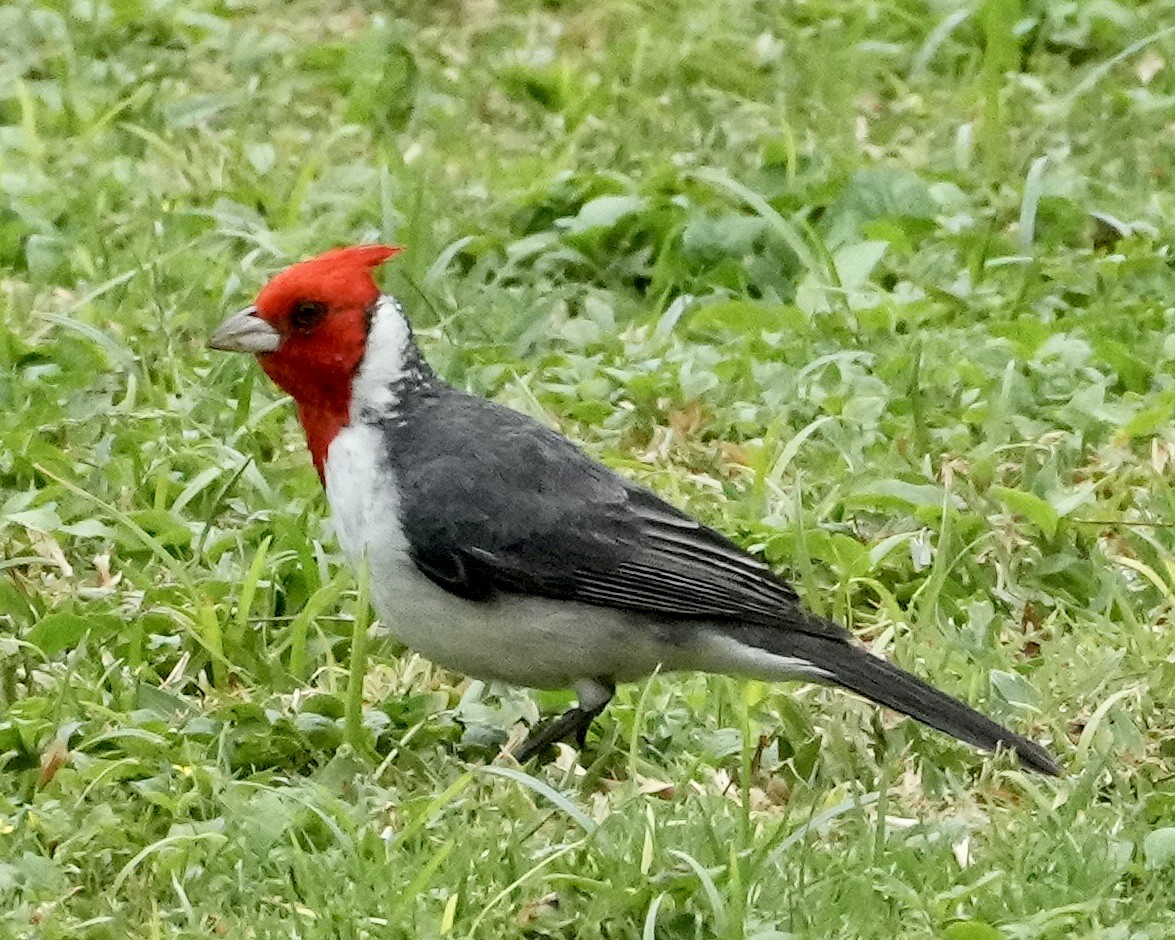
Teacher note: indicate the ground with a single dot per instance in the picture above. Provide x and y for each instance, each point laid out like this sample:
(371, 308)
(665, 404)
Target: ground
(881, 289)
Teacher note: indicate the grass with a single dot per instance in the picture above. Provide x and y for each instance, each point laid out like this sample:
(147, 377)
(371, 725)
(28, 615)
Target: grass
(881, 289)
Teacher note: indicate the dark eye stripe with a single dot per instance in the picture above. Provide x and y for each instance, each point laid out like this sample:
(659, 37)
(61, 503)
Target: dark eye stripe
(306, 314)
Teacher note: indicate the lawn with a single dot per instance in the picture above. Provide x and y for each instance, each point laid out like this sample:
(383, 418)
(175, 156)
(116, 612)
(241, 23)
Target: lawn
(882, 289)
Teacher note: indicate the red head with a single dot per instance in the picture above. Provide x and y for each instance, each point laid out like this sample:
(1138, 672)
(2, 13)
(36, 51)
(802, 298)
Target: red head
(308, 329)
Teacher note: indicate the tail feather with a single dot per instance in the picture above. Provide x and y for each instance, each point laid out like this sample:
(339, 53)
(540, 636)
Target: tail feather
(886, 684)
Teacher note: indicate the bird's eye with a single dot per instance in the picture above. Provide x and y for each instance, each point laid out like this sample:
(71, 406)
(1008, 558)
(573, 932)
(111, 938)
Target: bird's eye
(306, 314)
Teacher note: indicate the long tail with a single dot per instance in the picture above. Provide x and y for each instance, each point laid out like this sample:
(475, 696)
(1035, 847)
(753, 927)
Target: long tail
(845, 664)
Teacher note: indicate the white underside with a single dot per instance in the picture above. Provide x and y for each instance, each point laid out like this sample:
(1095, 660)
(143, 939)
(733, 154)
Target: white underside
(528, 641)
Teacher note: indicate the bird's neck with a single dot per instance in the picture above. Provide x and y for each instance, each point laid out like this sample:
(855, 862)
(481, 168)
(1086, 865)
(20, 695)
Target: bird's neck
(322, 418)
(392, 369)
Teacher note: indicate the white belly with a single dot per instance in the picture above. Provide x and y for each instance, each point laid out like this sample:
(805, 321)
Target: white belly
(528, 641)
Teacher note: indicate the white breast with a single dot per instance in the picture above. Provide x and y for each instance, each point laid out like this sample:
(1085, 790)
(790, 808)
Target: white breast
(364, 502)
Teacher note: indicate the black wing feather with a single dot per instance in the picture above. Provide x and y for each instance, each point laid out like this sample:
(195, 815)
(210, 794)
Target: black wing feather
(494, 502)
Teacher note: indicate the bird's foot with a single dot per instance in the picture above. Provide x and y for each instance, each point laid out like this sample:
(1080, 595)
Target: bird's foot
(573, 723)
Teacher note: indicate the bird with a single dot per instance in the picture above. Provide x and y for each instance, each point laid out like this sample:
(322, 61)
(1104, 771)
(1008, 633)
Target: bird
(498, 549)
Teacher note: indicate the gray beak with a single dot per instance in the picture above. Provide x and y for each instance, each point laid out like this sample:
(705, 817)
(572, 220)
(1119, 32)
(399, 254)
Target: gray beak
(246, 332)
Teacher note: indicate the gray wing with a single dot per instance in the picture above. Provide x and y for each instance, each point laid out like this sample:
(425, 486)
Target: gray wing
(494, 502)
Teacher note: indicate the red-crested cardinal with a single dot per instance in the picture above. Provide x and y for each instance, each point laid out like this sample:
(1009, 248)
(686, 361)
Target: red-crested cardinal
(499, 550)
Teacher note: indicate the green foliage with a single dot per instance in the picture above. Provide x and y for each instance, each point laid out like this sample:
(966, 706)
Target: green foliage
(881, 289)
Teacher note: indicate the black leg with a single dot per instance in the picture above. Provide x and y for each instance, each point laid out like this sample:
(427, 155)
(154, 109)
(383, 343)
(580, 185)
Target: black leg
(572, 723)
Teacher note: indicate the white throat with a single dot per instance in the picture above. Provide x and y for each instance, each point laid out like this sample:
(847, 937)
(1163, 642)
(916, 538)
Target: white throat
(376, 383)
